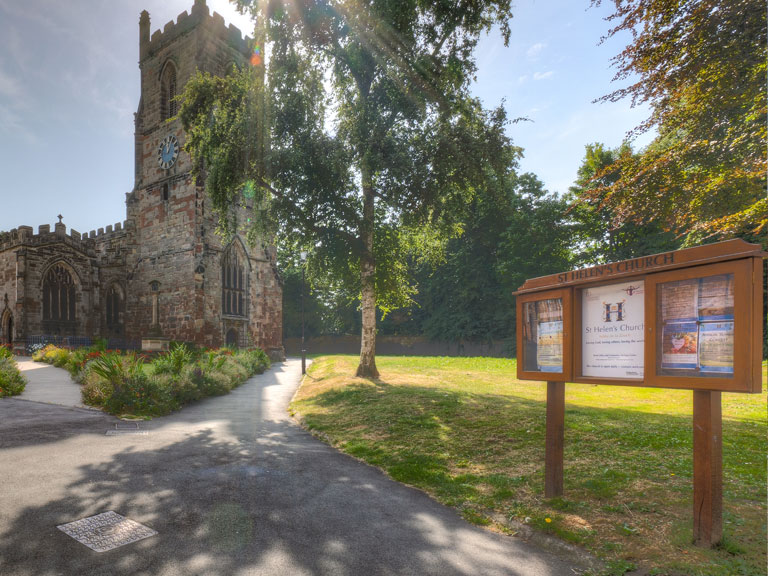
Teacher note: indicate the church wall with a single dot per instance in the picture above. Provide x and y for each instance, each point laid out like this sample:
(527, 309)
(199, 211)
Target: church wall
(169, 235)
(34, 256)
(7, 288)
(164, 253)
(112, 250)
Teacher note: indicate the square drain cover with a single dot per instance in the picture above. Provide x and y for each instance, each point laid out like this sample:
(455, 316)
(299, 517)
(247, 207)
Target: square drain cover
(106, 531)
(127, 429)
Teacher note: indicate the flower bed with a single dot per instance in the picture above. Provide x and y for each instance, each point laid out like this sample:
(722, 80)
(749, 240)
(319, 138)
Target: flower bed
(12, 382)
(131, 384)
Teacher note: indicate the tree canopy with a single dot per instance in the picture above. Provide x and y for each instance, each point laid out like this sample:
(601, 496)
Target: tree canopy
(598, 235)
(370, 143)
(701, 67)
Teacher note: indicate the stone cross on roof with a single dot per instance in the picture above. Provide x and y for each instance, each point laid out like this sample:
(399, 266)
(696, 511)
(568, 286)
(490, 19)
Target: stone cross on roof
(60, 217)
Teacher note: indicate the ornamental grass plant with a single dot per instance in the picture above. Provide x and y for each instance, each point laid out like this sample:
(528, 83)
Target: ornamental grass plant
(124, 383)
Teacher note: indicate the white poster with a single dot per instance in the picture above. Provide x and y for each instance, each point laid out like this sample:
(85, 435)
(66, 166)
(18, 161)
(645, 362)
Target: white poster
(613, 330)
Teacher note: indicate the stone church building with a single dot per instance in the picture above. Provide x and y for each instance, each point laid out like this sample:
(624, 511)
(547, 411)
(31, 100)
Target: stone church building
(164, 271)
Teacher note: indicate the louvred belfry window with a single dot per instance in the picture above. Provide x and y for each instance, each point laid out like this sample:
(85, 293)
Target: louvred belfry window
(168, 106)
(58, 295)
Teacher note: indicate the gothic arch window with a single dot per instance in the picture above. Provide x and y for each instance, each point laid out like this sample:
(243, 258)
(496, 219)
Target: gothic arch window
(168, 106)
(58, 295)
(114, 308)
(234, 281)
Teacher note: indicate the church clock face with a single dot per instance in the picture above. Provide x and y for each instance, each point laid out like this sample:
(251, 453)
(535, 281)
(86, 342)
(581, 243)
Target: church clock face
(168, 152)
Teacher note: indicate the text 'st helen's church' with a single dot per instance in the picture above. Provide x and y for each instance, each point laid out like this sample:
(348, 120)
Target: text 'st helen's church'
(164, 271)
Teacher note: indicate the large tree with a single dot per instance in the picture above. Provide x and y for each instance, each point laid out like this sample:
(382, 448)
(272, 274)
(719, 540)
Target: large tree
(513, 231)
(601, 231)
(701, 67)
(374, 144)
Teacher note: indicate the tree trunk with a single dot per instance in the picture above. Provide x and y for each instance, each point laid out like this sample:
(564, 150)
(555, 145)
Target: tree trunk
(367, 366)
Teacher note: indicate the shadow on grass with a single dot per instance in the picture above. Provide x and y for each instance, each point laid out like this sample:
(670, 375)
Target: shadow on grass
(486, 452)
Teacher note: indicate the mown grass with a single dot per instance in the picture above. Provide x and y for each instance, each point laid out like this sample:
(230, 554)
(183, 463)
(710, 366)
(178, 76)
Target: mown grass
(469, 433)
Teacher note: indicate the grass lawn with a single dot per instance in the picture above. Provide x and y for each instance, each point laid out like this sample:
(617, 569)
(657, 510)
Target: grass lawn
(469, 433)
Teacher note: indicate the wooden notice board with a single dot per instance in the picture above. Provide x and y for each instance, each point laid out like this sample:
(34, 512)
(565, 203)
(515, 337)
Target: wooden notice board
(688, 319)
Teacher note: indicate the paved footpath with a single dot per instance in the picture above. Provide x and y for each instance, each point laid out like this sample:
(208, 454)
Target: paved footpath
(48, 384)
(233, 487)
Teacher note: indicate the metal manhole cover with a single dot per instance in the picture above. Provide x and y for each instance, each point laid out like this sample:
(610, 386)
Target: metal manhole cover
(106, 531)
(127, 429)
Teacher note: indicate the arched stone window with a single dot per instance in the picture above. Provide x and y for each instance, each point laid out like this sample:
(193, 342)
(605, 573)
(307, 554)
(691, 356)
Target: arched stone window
(58, 296)
(234, 281)
(168, 106)
(6, 328)
(114, 308)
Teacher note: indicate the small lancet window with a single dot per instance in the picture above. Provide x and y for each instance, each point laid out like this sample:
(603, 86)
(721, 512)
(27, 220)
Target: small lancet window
(114, 307)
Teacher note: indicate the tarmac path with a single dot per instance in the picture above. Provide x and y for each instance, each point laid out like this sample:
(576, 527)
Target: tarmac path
(233, 486)
(48, 384)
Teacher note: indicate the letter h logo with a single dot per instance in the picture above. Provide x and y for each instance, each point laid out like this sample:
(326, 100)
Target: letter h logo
(612, 310)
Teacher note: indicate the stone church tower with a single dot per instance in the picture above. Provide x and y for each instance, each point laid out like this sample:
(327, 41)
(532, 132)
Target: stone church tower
(164, 272)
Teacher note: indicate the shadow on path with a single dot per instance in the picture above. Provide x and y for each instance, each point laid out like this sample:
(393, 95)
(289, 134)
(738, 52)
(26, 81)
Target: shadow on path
(234, 487)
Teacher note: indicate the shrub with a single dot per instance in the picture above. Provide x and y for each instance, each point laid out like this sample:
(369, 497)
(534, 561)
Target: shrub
(60, 357)
(6, 352)
(110, 366)
(99, 345)
(39, 354)
(140, 394)
(77, 361)
(185, 389)
(12, 382)
(255, 360)
(174, 361)
(204, 381)
(95, 391)
(234, 372)
(121, 385)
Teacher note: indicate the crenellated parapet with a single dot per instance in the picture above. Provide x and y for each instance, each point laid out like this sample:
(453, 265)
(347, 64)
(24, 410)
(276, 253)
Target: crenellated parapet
(200, 14)
(24, 236)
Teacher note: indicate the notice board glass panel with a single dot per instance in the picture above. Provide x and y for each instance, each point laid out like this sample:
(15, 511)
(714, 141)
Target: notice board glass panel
(695, 318)
(613, 331)
(543, 335)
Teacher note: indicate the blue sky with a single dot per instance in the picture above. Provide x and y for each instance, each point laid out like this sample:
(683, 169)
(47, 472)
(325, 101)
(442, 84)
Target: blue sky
(69, 86)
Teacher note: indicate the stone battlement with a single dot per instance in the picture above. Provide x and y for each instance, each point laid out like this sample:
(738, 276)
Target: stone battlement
(118, 229)
(25, 236)
(186, 22)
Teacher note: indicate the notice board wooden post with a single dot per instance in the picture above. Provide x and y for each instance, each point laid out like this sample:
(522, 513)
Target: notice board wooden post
(707, 468)
(688, 319)
(553, 459)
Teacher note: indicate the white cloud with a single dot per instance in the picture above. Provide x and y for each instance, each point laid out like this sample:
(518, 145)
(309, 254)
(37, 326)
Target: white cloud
(522, 79)
(543, 75)
(533, 52)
